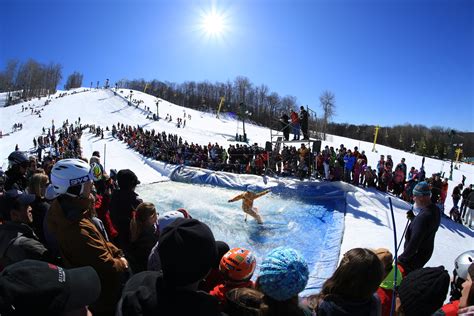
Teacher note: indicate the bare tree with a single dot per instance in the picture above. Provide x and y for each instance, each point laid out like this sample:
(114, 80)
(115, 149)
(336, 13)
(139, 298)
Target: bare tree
(73, 81)
(328, 105)
(242, 85)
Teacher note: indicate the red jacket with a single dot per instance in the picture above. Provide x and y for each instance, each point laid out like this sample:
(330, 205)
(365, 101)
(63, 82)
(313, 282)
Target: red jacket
(294, 117)
(220, 291)
(451, 309)
(101, 206)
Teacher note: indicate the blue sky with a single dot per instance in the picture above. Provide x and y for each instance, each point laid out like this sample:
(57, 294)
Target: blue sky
(388, 62)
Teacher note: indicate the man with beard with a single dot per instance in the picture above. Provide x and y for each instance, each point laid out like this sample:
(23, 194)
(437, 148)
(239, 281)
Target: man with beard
(420, 235)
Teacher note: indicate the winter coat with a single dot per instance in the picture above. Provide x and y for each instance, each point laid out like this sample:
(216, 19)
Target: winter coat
(419, 239)
(38, 210)
(102, 203)
(456, 193)
(450, 309)
(122, 204)
(466, 192)
(140, 249)
(213, 279)
(403, 167)
(304, 119)
(19, 242)
(221, 290)
(385, 291)
(294, 118)
(444, 192)
(14, 180)
(380, 166)
(435, 190)
(470, 200)
(335, 306)
(146, 294)
(349, 162)
(81, 244)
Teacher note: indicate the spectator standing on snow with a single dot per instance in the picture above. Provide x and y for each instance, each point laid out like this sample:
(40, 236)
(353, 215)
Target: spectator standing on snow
(80, 242)
(351, 288)
(436, 183)
(144, 235)
(421, 232)
(285, 126)
(17, 239)
(295, 122)
(304, 122)
(470, 210)
(123, 203)
(18, 164)
(465, 196)
(456, 194)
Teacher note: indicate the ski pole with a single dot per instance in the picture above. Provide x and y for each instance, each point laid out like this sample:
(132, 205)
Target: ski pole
(403, 235)
(105, 154)
(392, 309)
(404, 231)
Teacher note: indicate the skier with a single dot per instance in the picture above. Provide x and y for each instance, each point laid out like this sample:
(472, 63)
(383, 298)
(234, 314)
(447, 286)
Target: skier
(247, 203)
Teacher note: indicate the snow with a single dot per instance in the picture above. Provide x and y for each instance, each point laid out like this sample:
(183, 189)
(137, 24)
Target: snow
(368, 219)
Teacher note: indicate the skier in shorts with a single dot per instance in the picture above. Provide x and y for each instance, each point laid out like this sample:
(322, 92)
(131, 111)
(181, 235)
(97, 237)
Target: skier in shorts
(247, 203)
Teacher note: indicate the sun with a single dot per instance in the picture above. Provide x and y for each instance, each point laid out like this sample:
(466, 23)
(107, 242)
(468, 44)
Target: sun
(214, 23)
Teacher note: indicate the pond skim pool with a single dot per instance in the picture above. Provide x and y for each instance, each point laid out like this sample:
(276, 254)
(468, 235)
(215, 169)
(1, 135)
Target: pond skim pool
(308, 222)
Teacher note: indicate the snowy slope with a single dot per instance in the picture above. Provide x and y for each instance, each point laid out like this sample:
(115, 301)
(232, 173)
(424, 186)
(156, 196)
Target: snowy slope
(368, 219)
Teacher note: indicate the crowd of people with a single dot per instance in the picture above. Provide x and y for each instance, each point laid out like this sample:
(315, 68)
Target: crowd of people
(76, 240)
(294, 123)
(342, 164)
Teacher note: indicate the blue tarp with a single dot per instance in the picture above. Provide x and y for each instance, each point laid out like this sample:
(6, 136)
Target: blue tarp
(324, 253)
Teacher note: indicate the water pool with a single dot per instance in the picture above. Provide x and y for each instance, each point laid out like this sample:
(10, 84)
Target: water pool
(305, 222)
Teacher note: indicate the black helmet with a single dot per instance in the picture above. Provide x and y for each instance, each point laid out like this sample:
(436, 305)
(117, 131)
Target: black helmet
(17, 157)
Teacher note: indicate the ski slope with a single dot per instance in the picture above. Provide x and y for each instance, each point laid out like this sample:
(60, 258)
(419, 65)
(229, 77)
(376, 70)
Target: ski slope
(368, 218)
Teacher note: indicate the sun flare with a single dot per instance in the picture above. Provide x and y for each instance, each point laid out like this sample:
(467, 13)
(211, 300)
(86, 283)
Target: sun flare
(214, 23)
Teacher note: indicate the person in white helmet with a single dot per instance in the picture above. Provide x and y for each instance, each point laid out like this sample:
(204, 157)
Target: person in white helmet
(80, 242)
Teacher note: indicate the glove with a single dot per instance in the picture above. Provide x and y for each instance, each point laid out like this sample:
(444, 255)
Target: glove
(410, 215)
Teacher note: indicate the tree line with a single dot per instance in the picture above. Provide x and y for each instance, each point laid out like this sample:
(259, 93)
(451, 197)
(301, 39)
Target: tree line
(264, 107)
(241, 97)
(436, 141)
(25, 80)
(258, 103)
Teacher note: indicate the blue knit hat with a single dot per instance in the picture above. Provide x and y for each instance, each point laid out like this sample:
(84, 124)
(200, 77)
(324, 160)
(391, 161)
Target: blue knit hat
(283, 274)
(422, 189)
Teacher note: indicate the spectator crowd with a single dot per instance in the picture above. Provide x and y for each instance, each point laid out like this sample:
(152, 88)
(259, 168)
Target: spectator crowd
(76, 240)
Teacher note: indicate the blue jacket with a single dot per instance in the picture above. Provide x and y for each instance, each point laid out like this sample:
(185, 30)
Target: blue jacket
(349, 162)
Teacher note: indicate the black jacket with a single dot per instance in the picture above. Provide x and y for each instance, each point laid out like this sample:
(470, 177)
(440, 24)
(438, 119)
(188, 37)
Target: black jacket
(19, 242)
(304, 118)
(419, 239)
(146, 294)
(39, 209)
(122, 204)
(339, 307)
(139, 250)
(15, 181)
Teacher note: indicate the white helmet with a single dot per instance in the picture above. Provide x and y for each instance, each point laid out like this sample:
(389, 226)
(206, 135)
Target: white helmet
(67, 173)
(462, 263)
